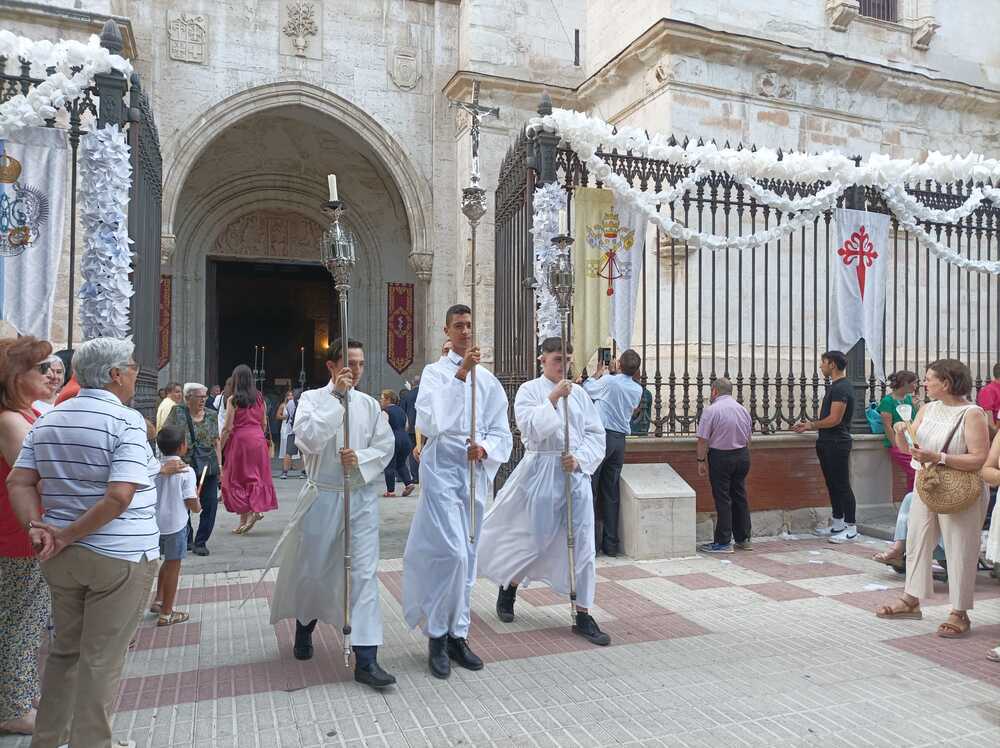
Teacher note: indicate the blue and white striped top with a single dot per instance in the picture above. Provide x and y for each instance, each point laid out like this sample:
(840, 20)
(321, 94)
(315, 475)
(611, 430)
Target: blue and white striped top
(80, 446)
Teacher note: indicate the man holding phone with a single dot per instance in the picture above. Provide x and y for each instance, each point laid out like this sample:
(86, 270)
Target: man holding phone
(617, 395)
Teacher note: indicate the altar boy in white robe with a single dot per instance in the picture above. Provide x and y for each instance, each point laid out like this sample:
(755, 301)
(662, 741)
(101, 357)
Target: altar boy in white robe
(439, 564)
(524, 533)
(311, 550)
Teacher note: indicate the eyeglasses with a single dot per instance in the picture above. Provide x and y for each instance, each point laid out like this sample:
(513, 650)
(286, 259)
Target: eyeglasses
(43, 368)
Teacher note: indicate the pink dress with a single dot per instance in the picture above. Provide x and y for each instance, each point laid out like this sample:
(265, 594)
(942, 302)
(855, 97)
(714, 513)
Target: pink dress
(246, 470)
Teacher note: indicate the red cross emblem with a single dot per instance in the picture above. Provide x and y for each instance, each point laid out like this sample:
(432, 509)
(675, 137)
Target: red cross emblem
(859, 246)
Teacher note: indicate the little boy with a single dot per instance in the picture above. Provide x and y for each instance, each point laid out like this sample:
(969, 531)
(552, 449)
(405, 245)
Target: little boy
(175, 495)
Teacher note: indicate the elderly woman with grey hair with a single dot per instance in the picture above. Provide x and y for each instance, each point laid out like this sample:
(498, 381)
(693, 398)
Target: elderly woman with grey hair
(88, 504)
(55, 375)
(201, 426)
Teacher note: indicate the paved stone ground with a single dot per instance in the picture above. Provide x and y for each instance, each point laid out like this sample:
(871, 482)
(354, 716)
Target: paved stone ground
(775, 647)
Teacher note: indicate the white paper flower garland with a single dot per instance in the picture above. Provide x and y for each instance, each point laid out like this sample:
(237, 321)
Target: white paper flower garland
(63, 85)
(105, 179)
(586, 136)
(549, 200)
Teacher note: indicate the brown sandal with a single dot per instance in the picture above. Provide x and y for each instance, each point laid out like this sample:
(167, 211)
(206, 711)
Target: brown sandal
(177, 616)
(949, 630)
(907, 612)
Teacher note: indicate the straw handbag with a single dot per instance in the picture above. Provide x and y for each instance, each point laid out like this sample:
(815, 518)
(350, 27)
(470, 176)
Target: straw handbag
(944, 489)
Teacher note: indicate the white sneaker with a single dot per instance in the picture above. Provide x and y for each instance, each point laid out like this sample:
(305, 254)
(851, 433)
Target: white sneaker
(848, 535)
(825, 532)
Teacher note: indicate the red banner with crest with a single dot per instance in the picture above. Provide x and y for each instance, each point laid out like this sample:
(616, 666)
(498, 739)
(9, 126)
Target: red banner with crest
(399, 321)
(165, 297)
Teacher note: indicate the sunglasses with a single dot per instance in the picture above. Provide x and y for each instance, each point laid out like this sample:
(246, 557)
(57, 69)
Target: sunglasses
(43, 368)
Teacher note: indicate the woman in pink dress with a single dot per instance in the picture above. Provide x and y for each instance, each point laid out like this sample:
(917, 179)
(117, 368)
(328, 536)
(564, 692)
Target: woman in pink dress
(247, 487)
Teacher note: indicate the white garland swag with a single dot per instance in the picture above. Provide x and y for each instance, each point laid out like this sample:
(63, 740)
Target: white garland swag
(548, 201)
(43, 100)
(105, 179)
(587, 135)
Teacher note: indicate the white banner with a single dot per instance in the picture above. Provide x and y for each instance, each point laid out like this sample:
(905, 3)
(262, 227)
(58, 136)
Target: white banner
(33, 166)
(858, 266)
(624, 271)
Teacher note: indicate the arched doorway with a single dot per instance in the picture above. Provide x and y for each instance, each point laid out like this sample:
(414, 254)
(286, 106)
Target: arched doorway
(246, 219)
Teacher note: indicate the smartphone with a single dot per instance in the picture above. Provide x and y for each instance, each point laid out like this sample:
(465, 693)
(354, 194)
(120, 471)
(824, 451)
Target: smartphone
(604, 355)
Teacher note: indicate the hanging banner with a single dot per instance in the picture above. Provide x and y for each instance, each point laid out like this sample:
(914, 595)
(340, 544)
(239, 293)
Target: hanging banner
(399, 323)
(166, 283)
(590, 294)
(33, 166)
(623, 268)
(859, 273)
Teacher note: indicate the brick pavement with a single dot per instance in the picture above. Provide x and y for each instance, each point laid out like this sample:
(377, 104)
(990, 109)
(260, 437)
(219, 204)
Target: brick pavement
(773, 647)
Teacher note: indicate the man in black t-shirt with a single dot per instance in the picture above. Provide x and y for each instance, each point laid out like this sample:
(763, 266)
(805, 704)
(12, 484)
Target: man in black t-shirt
(833, 447)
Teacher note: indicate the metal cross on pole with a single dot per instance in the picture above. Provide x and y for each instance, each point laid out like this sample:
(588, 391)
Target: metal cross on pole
(474, 208)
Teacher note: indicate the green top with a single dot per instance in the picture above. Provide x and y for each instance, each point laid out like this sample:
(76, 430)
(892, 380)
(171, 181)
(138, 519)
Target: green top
(206, 433)
(888, 405)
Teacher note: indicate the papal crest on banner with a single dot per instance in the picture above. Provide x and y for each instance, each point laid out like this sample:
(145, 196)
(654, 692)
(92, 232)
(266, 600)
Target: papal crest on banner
(611, 244)
(858, 268)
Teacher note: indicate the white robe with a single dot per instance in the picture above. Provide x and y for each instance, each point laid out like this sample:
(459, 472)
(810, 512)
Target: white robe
(310, 580)
(524, 533)
(439, 564)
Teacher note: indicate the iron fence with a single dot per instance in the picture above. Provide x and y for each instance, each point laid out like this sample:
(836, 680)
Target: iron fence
(760, 316)
(881, 10)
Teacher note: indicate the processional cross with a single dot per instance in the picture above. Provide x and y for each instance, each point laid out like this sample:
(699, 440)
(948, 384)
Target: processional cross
(859, 247)
(478, 114)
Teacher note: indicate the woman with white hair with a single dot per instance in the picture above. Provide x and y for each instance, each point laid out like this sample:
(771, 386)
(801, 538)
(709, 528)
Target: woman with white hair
(201, 426)
(55, 375)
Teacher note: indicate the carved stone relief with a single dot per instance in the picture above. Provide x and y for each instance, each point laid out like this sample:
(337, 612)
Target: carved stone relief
(301, 29)
(773, 86)
(404, 67)
(271, 234)
(841, 13)
(188, 37)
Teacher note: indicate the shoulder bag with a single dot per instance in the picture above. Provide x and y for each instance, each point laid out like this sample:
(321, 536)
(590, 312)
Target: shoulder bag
(201, 456)
(947, 490)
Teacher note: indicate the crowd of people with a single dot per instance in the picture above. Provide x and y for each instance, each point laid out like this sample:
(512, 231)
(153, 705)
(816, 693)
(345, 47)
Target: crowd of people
(96, 502)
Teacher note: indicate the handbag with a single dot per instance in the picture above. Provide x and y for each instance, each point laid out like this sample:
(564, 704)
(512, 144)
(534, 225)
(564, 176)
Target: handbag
(874, 419)
(200, 456)
(947, 490)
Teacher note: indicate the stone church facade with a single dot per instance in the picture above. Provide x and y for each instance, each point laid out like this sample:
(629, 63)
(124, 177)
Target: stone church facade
(258, 100)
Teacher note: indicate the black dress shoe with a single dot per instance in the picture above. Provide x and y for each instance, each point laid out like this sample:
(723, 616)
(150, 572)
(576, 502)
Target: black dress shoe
(373, 675)
(200, 550)
(303, 649)
(505, 603)
(458, 650)
(587, 627)
(438, 657)
(610, 551)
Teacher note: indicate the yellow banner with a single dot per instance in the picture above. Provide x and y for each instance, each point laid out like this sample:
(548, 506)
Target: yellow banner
(590, 300)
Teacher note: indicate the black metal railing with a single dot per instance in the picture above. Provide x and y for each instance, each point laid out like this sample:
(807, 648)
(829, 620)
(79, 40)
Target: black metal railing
(760, 316)
(881, 10)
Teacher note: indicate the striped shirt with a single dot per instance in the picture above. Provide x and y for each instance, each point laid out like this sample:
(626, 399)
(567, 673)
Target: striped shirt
(80, 446)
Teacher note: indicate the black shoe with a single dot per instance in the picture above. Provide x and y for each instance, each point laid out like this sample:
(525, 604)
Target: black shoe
(586, 627)
(373, 675)
(190, 547)
(610, 551)
(437, 657)
(458, 650)
(303, 649)
(505, 603)
(200, 550)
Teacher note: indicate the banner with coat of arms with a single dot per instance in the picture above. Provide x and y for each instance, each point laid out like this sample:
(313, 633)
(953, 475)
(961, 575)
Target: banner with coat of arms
(33, 168)
(399, 323)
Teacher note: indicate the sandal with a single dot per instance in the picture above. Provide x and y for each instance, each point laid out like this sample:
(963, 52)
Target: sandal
(254, 519)
(409, 489)
(949, 630)
(883, 557)
(993, 655)
(389, 494)
(177, 616)
(155, 607)
(908, 611)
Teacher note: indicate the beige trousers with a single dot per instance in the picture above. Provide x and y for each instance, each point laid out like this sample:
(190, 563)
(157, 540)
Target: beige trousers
(96, 605)
(961, 534)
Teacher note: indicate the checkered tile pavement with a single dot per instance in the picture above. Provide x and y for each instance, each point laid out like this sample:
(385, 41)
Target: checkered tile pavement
(773, 647)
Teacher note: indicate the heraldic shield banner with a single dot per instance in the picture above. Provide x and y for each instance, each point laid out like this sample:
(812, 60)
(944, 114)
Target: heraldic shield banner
(33, 167)
(858, 267)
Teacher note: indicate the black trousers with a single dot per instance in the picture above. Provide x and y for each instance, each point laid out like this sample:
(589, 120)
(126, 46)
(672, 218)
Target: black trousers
(607, 492)
(727, 472)
(209, 505)
(398, 467)
(835, 461)
(411, 463)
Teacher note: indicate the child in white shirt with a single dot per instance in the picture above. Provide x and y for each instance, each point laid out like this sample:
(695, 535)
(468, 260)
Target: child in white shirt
(176, 495)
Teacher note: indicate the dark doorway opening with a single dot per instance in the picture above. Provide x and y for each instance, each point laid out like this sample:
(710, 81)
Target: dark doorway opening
(286, 309)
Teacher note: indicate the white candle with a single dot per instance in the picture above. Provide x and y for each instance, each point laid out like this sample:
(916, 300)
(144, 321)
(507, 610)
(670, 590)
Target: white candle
(563, 223)
(332, 181)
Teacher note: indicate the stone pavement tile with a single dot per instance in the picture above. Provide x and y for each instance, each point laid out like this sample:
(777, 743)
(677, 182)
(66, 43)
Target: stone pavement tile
(627, 571)
(699, 581)
(781, 591)
(966, 656)
(829, 586)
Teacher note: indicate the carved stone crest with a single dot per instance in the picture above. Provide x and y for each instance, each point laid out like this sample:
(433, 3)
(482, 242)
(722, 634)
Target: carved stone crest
(773, 86)
(301, 23)
(188, 37)
(404, 67)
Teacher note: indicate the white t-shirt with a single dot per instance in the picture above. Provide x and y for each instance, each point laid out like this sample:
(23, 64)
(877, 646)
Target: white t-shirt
(171, 492)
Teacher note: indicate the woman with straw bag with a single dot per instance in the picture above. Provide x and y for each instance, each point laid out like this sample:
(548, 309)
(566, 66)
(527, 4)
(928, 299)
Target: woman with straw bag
(948, 442)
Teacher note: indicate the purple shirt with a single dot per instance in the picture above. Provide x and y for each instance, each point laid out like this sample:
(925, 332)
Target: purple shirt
(725, 424)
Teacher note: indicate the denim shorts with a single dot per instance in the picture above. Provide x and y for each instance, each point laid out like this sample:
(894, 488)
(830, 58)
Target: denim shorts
(173, 547)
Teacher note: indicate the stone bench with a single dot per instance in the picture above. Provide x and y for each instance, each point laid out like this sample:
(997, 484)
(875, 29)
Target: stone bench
(657, 512)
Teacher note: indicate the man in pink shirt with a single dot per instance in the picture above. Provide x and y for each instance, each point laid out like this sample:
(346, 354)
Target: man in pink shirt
(724, 457)
(989, 399)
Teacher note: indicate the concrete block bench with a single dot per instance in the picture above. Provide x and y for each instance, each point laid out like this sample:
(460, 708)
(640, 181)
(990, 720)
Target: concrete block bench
(658, 514)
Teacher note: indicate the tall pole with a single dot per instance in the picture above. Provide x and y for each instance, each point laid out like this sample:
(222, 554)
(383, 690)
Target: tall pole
(474, 208)
(338, 257)
(559, 276)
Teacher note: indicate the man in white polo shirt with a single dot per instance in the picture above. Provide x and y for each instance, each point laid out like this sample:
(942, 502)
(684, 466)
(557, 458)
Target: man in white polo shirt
(89, 466)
